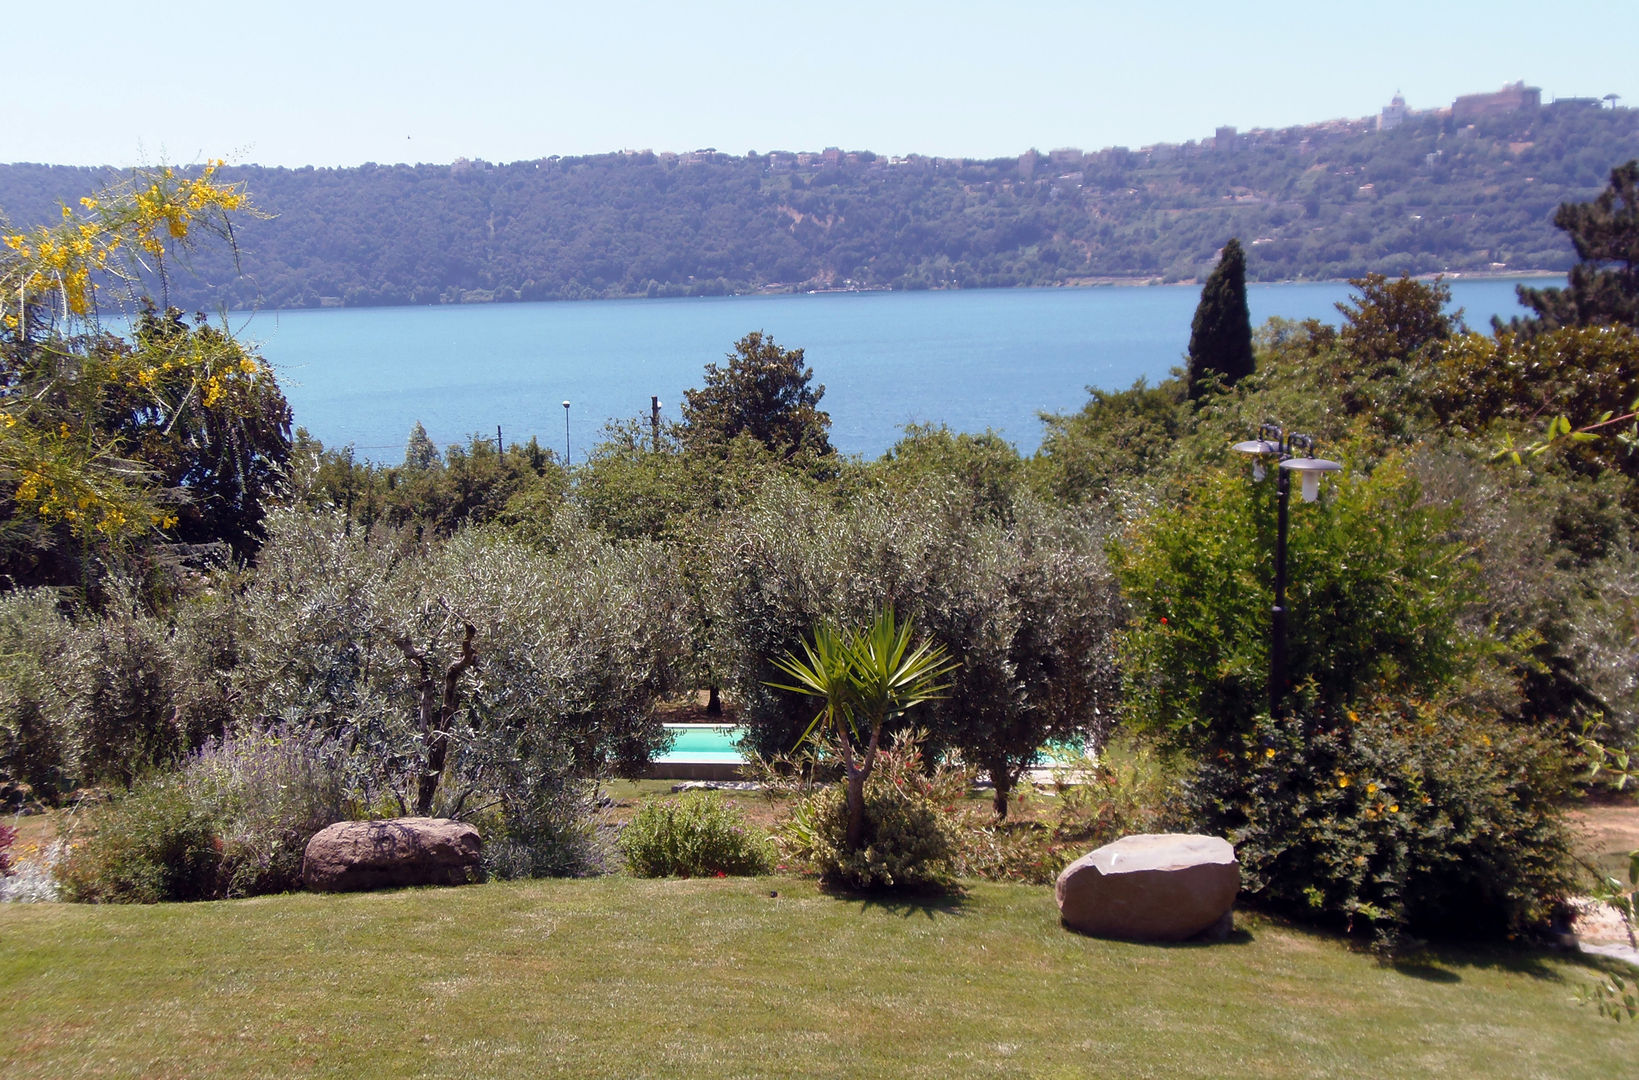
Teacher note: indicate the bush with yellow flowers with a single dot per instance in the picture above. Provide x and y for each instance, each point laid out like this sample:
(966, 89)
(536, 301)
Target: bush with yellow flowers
(1400, 817)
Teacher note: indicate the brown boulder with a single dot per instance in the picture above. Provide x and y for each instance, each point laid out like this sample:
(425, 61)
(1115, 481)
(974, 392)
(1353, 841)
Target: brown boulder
(350, 856)
(1151, 887)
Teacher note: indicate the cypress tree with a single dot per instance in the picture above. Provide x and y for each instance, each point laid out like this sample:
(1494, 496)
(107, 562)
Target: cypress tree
(1220, 339)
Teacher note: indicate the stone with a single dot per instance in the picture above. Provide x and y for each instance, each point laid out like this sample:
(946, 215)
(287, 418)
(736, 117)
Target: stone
(1151, 887)
(352, 856)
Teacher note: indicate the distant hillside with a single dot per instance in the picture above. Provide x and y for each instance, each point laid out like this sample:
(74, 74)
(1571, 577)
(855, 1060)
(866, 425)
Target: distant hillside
(1324, 201)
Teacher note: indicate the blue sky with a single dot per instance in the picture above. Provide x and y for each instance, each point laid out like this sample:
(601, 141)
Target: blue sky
(341, 83)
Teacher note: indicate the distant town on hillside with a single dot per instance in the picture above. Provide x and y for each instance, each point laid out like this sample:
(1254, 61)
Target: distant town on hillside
(1468, 188)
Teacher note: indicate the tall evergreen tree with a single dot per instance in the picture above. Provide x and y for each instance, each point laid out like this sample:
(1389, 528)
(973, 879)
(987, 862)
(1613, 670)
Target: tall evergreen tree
(1220, 339)
(420, 452)
(1604, 286)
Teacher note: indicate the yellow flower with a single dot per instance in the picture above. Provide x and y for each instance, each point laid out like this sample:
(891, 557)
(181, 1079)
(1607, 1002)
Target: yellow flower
(1269, 752)
(1353, 717)
(1395, 809)
(1371, 789)
(1342, 780)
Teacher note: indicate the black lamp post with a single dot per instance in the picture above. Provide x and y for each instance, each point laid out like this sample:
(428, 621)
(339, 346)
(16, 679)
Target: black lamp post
(1283, 446)
(566, 434)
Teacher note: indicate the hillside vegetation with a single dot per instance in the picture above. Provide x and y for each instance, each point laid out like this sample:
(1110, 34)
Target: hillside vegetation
(1326, 201)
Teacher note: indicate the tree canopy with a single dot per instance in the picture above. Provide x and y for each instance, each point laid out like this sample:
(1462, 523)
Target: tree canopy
(764, 393)
(1604, 286)
(176, 434)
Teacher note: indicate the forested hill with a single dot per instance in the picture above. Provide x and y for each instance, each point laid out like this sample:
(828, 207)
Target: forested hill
(1324, 201)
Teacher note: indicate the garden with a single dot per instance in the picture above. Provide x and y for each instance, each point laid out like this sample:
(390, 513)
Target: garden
(220, 638)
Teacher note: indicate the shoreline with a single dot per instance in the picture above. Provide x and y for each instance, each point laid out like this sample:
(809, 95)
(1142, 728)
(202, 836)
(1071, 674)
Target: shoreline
(1094, 282)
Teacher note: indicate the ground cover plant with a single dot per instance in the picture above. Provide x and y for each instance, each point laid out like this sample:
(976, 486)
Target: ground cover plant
(716, 977)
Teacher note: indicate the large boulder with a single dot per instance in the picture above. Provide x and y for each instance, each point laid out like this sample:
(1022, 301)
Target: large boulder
(350, 856)
(1151, 887)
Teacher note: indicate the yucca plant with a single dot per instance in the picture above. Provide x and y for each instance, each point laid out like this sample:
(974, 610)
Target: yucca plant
(864, 679)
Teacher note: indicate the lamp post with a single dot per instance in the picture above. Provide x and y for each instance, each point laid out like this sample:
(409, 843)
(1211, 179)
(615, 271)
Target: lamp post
(566, 434)
(1274, 442)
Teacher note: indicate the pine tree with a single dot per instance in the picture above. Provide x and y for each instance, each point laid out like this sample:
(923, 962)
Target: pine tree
(1604, 286)
(763, 392)
(1220, 339)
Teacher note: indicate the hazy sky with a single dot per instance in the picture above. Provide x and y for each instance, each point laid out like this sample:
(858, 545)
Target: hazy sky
(345, 82)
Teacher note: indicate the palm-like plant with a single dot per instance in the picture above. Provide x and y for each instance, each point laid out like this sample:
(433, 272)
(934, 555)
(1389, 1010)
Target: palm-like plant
(865, 679)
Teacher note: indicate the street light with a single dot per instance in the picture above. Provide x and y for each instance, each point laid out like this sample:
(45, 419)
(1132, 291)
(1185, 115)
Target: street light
(1282, 446)
(566, 434)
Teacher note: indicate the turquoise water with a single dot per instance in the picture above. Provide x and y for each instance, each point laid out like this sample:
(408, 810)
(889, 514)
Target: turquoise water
(715, 743)
(972, 360)
(702, 743)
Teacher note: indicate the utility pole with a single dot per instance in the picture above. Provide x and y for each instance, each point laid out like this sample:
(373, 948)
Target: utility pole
(654, 420)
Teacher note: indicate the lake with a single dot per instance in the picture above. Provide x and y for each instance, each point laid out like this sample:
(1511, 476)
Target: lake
(969, 359)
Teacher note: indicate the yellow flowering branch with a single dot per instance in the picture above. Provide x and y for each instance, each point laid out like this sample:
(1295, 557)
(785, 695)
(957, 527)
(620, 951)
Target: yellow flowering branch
(56, 465)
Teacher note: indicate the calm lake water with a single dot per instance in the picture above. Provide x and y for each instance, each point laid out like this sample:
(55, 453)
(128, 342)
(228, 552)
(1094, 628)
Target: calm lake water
(971, 360)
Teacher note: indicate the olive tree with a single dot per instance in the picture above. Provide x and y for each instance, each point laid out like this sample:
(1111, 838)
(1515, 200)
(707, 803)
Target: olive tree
(1022, 602)
(443, 663)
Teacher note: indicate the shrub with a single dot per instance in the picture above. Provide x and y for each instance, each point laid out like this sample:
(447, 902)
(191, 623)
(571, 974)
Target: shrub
(37, 645)
(125, 680)
(1404, 816)
(233, 821)
(102, 698)
(699, 834)
(8, 836)
(268, 793)
(911, 822)
(157, 843)
(542, 823)
(1130, 788)
(1375, 589)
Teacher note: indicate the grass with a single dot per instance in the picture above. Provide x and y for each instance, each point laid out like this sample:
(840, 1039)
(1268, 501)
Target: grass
(717, 978)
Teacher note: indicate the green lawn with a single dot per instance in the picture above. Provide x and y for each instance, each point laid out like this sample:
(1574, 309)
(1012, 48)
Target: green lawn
(708, 978)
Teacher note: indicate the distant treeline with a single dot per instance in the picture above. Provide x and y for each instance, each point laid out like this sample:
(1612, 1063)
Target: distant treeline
(1325, 201)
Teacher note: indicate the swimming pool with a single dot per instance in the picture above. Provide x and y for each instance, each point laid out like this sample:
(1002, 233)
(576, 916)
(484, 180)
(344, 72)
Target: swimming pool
(713, 744)
(699, 752)
(703, 742)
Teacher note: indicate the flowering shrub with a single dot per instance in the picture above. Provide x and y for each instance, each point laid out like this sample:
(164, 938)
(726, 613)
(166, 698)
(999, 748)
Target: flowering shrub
(912, 821)
(1404, 816)
(698, 835)
(8, 836)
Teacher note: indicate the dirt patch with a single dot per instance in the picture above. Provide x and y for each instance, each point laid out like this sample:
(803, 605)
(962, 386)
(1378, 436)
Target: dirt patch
(1604, 835)
(1606, 832)
(693, 710)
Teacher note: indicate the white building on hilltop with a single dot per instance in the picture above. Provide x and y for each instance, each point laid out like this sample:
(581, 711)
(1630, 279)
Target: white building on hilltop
(1393, 114)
